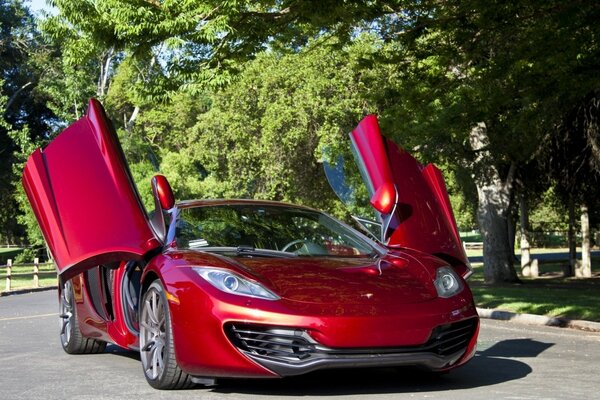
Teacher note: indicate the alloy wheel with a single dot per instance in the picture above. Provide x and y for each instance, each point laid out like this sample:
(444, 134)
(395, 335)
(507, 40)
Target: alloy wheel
(66, 313)
(153, 334)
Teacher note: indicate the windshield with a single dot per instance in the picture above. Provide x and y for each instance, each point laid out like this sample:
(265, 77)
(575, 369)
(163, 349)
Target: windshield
(269, 227)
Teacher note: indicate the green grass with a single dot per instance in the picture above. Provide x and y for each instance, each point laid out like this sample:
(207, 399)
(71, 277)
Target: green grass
(22, 277)
(541, 250)
(470, 236)
(550, 295)
(544, 250)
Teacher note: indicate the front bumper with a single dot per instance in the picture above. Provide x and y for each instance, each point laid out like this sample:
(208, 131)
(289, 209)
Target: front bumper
(289, 352)
(335, 337)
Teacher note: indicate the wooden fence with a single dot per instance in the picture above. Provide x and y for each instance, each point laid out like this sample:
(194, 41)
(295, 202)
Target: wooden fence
(35, 273)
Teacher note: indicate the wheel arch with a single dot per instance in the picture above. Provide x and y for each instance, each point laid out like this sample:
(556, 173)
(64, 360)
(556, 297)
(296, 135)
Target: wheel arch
(147, 278)
(177, 378)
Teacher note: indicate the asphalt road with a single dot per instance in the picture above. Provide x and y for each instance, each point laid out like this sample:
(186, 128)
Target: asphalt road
(513, 362)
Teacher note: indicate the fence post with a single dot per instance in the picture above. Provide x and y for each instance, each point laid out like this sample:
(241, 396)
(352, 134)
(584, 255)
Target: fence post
(36, 271)
(8, 274)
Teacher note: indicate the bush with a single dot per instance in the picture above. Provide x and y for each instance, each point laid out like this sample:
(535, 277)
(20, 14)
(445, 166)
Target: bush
(6, 254)
(26, 256)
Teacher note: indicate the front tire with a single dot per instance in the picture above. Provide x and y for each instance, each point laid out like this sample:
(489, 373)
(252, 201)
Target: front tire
(73, 342)
(157, 351)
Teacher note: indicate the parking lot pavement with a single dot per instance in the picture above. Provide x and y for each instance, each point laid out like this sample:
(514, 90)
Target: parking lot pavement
(513, 361)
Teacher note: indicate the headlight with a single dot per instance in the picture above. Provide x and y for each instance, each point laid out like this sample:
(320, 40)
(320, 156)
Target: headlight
(447, 283)
(231, 282)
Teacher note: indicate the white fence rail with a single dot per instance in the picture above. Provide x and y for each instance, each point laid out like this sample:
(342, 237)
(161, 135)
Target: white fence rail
(35, 273)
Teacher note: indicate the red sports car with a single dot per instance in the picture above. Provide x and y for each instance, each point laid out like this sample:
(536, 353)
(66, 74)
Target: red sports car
(243, 288)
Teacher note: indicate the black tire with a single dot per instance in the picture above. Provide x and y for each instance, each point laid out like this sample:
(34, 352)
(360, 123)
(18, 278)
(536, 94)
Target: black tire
(73, 342)
(157, 351)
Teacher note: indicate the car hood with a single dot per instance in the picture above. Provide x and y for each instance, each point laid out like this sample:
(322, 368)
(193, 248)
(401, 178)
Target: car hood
(391, 280)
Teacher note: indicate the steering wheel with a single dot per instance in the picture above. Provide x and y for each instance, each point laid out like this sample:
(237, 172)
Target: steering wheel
(294, 242)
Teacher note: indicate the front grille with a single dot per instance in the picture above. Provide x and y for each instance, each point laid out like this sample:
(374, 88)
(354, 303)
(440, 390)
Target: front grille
(448, 339)
(279, 343)
(296, 345)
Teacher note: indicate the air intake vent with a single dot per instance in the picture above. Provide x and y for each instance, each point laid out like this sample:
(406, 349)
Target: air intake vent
(448, 339)
(295, 346)
(279, 343)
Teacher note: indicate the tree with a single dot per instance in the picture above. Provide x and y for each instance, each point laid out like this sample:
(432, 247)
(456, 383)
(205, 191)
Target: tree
(573, 160)
(264, 135)
(23, 113)
(75, 65)
(490, 89)
(471, 84)
(198, 39)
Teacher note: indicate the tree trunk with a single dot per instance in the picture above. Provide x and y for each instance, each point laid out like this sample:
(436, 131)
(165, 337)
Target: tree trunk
(569, 270)
(525, 249)
(493, 211)
(129, 124)
(14, 96)
(584, 269)
(497, 257)
(105, 66)
(591, 111)
(131, 121)
(512, 229)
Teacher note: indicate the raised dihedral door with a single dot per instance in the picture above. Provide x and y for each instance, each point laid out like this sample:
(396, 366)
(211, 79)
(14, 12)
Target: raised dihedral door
(84, 199)
(411, 199)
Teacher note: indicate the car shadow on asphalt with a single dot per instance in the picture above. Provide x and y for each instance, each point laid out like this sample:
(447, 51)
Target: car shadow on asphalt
(516, 348)
(489, 367)
(114, 349)
(493, 365)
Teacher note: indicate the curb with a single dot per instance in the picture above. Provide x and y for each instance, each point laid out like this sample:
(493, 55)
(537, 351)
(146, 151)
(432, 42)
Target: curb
(27, 290)
(532, 319)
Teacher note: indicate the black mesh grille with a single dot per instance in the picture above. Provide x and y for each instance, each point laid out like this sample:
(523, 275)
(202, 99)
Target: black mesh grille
(448, 339)
(265, 341)
(285, 344)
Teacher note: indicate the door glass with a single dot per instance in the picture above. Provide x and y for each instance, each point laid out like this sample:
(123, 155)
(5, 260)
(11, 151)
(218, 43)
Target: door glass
(346, 181)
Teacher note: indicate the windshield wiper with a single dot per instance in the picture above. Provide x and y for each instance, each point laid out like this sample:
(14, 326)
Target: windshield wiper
(243, 249)
(249, 251)
(253, 251)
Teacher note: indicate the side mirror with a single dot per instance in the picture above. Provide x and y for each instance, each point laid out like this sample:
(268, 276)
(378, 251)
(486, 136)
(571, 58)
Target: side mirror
(163, 200)
(161, 189)
(385, 198)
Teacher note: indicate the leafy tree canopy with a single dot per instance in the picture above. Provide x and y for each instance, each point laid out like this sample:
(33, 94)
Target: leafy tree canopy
(24, 116)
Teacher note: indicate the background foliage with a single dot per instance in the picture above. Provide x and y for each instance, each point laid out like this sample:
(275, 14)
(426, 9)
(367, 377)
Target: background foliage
(249, 99)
